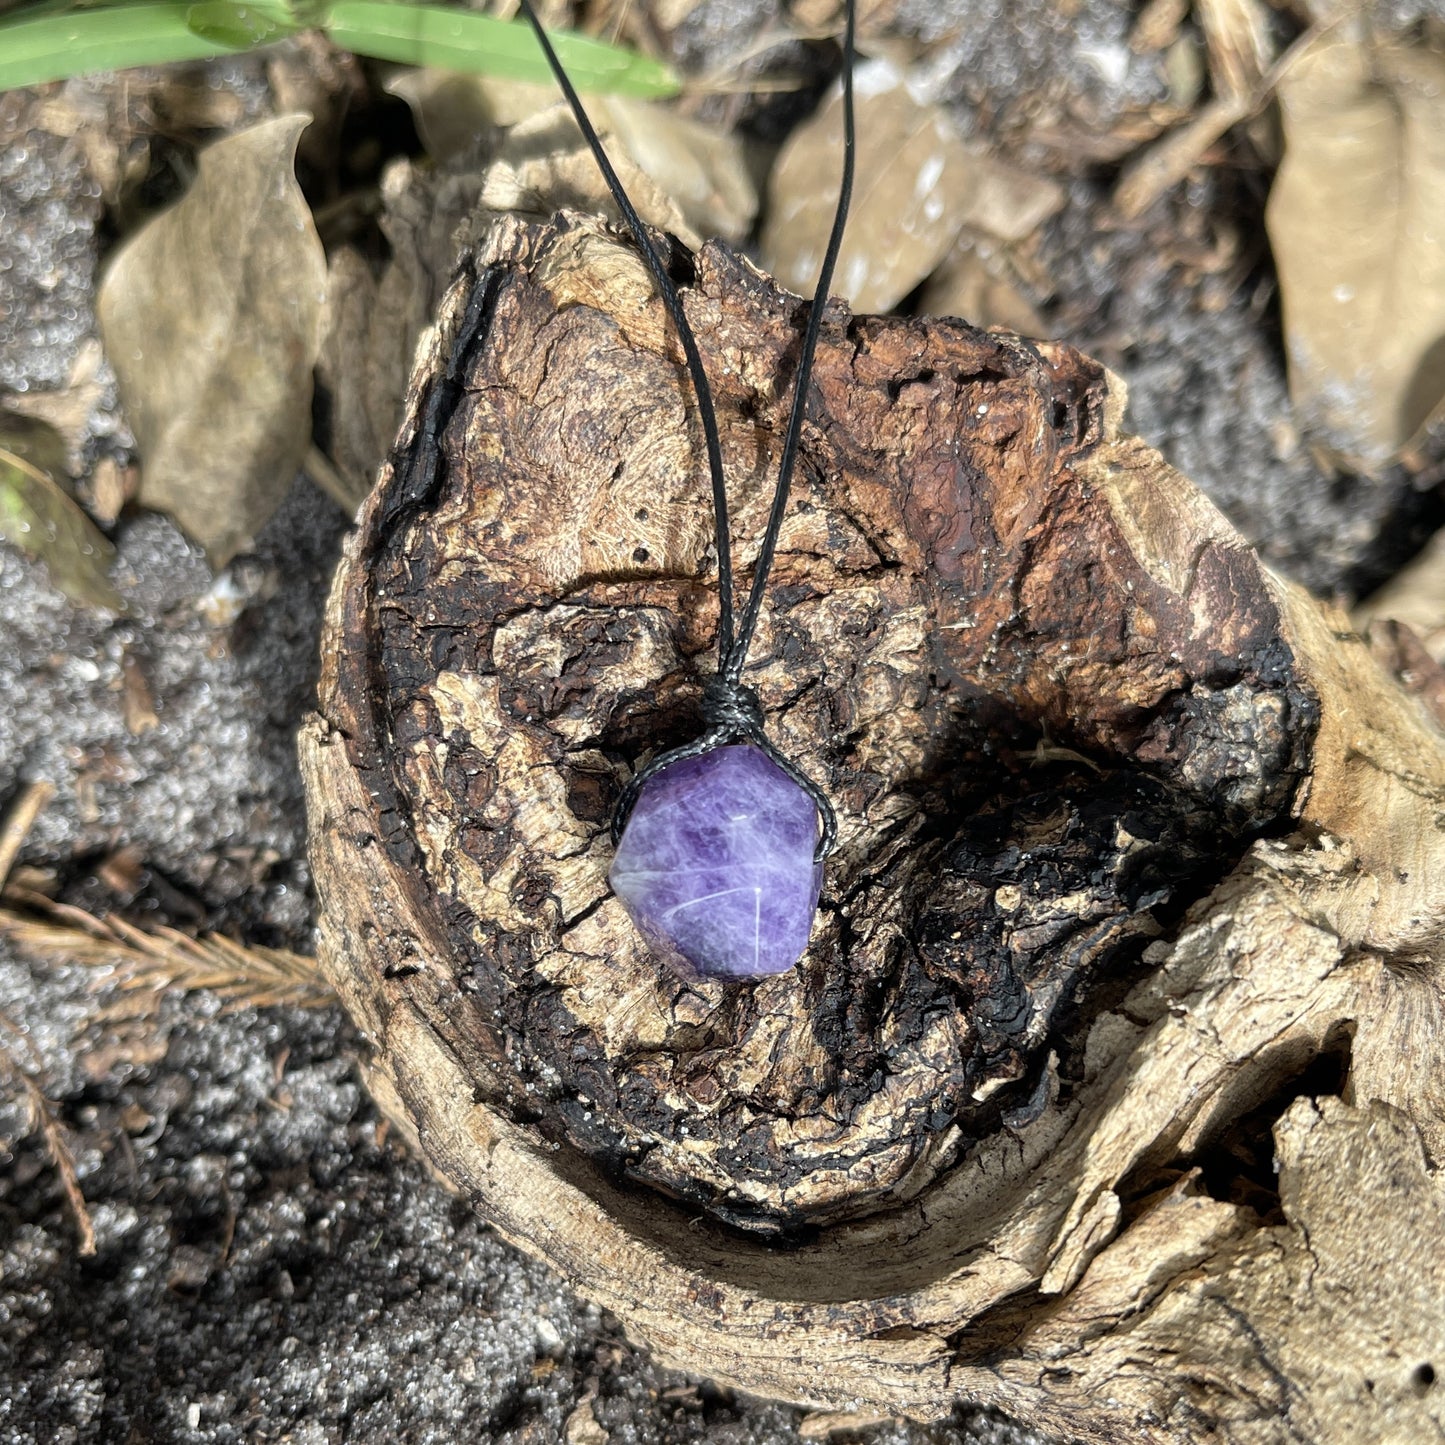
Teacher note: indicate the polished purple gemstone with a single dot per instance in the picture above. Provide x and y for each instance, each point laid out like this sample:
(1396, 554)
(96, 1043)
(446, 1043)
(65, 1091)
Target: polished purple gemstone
(716, 864)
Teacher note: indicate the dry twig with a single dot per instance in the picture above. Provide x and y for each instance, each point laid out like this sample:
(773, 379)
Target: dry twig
(42, 1119)
(19, 821)
(1170, 159)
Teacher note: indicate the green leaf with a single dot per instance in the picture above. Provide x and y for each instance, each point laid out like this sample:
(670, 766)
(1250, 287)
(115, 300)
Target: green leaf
(238, 25)
(34, 50)
(467, 41)
(52, 42)
(39, 518)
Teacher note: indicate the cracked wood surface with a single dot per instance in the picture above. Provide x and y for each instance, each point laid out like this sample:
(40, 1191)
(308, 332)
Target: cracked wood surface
(1137, 845)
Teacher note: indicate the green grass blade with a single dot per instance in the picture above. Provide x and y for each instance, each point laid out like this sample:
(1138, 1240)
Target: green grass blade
(112, 37)
(481, 45)
(241, 24)
(48, 43)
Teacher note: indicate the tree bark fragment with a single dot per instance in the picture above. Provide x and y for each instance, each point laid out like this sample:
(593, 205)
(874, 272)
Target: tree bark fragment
(1138, 893)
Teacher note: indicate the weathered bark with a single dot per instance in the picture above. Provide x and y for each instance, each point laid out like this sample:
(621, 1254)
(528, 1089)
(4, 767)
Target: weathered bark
(1140, 859)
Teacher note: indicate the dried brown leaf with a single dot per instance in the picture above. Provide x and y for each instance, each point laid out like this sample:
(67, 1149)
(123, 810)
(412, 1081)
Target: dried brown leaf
(976, 282)
(543, 165)
(34, 441)
(1157, 25)
(212, 317)
(454, 112)
(917, 186)
(908, 193)
(699, 167)
(1355, 222)
(111, 487)
(1005, 201)
(1241, 50)
(825, 17)
(669, 14)
(38, 515)
(373, 322)
(1415, 595)
(86, 113)
(70, 408)
(1184, 72)
(311, 74)
(363, 363)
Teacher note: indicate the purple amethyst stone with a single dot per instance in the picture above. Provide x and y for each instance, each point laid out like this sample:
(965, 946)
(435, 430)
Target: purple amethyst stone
(716, 865)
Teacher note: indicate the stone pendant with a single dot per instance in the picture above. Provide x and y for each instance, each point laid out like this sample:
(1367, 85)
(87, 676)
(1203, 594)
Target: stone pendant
(716, 865)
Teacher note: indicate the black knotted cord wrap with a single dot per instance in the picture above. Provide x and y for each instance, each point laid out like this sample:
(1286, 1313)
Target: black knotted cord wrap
(730, 708)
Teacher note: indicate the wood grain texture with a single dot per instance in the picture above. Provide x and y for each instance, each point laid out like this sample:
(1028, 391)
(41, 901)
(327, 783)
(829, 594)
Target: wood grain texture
(1140, 853)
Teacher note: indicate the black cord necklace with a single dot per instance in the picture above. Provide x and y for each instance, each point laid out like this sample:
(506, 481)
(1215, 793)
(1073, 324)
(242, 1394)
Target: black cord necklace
(720, 843)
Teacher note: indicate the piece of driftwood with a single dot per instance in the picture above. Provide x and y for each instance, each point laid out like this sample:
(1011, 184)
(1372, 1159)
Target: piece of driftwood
(1110, 1091)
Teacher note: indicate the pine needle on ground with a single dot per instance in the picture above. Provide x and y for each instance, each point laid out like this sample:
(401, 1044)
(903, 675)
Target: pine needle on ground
(156, 960)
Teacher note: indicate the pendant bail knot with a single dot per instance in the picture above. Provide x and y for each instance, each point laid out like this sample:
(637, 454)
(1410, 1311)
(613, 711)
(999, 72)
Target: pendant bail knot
(731, 709)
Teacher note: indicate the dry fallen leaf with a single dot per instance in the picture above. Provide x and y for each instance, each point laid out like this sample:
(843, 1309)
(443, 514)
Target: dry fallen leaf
(907, 193)
(1156, 27)
(1184, 73)
(212, 318)
(1241, 48)
(110, 487)
(544, 165)
(38, 516)
(1240, 36)
(825, 17)
(1007, 202)
(669, 14)
(1357, 222)
(701, 168)
(917, 185)
(70, 408)
(977, 283)
(1415, 595)
(453, 112)
(311, 74)
(85, 112)
(540, 166)
(373, 323)
(362, 369)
